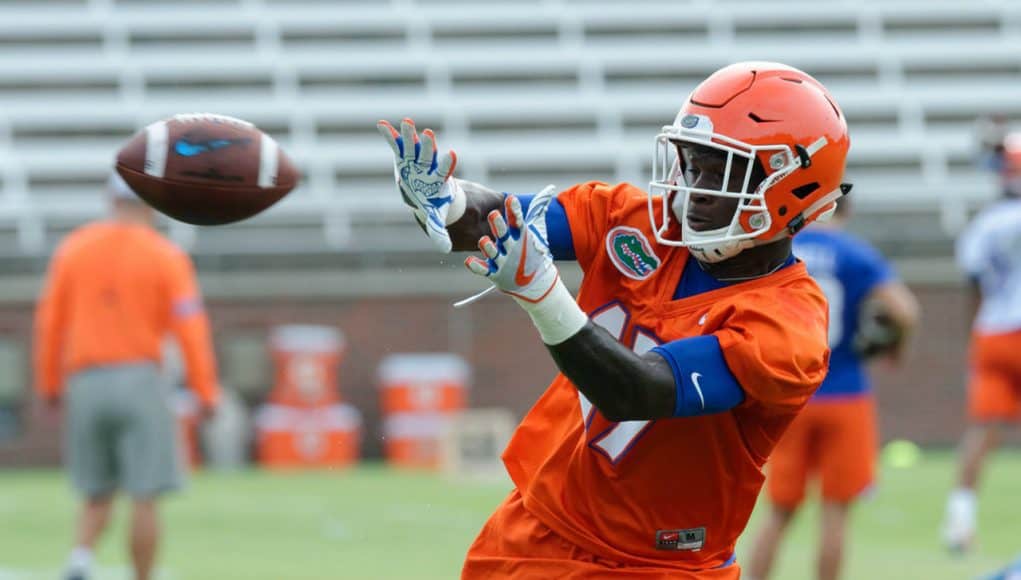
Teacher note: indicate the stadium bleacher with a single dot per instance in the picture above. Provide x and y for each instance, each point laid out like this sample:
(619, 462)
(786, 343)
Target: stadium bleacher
(548, 91)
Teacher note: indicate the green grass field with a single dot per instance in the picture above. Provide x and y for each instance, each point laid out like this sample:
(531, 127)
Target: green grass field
(372, 523)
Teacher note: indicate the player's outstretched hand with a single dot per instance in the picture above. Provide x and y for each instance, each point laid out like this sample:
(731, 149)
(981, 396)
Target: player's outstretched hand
(424, 179)
(517, 259)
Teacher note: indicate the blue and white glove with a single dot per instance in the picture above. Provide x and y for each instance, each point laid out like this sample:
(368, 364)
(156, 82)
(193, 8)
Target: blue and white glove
(519, 263)
(424, 180)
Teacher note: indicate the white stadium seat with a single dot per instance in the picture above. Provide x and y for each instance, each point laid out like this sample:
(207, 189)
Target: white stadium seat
(549, 91)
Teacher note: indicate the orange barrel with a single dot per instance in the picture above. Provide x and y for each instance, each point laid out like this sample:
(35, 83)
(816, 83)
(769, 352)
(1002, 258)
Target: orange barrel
(419, 394)
(423, 383)
(414, 439)
(306, 358)
(294, 437)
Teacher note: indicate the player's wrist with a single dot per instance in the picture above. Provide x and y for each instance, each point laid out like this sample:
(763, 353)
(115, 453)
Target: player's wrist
(458, 200)
(555, 315)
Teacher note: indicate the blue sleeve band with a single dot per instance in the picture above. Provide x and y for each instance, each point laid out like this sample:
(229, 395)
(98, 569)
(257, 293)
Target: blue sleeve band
(187, 307)
(705, 384)
(558, 229)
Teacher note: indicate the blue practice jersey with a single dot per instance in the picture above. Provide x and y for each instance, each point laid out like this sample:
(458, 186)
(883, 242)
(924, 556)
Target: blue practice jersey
(847, 269)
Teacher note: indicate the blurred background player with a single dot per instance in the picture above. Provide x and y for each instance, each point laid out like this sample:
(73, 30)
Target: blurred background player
(990, 133)
(836, 435)
(989, 252)
(696, 337)
(114, 291)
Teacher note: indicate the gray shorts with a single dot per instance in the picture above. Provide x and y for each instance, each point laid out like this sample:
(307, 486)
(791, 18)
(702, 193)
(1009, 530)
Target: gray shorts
(121, 433)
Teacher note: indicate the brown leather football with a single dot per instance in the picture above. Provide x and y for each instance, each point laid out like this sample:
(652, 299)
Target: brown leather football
(206, 169)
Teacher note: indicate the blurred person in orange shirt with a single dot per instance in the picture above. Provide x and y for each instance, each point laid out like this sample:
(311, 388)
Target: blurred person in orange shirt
(114, 290)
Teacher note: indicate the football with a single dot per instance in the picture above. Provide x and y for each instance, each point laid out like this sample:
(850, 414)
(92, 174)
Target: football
(206, 169)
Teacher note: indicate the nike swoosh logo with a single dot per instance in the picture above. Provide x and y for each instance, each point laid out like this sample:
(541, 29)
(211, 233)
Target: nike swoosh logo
(520, 278)
(694, 380)
(186, 148)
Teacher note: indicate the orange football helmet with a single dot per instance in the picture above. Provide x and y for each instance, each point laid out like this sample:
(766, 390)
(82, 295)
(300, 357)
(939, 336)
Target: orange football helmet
(785, 125)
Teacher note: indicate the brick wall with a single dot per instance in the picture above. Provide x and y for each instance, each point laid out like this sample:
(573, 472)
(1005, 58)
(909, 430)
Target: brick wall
(922, 401)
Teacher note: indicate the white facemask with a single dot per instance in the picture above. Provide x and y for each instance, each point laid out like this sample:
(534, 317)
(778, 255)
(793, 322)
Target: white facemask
(668, 184)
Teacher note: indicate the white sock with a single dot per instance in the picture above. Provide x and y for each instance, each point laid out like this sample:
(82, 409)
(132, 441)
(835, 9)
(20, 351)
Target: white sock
(80, 559)
(962, 505)
(963, 499)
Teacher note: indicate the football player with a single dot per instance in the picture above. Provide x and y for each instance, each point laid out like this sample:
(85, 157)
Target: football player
(871, 315)
(695, 339)
(989, 252)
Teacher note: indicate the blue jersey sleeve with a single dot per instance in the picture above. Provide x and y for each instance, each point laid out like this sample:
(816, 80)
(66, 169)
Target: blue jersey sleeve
(870, 269)
(557, 226)
(703, 380)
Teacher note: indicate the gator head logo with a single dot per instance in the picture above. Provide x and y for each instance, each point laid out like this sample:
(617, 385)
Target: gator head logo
(631, 253)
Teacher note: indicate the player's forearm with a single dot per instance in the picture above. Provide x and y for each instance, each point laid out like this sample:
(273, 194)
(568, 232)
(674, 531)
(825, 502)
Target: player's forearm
(904, 308)
(195, 341)
(621, 384)
(47, 372)
(479, 201)
(974, 299)
(47, 352)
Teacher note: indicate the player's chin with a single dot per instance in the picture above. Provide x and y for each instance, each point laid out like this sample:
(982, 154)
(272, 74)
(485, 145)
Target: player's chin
(703, 224)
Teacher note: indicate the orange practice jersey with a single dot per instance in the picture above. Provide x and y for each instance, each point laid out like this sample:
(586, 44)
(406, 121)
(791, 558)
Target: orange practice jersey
(113, 293)
(676, 490)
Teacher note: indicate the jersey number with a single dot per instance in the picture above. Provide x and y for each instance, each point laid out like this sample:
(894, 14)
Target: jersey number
(616, 440)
